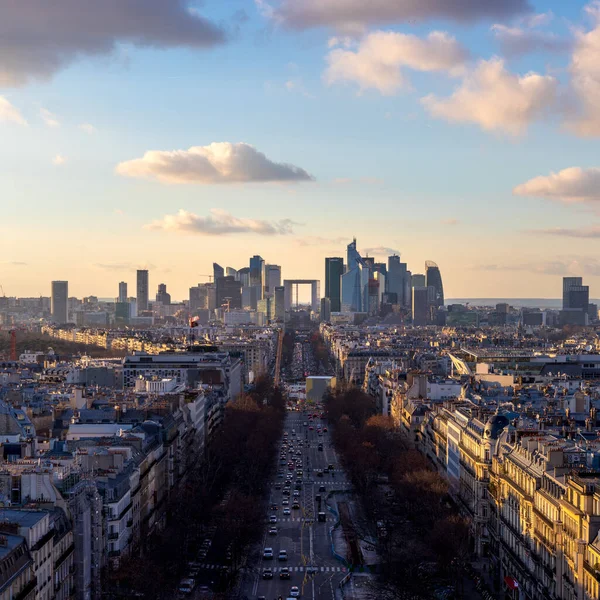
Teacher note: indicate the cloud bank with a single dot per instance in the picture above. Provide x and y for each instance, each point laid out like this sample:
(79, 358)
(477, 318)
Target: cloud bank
(219, 162)
(569, 185)
(40, 37)
(583, 233)
(220, 222)
(380, 56)
(356, 14)
(379, 251)
(495, 99)
(9, 113)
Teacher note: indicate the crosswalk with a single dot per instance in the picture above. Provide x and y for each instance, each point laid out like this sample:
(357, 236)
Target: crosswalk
(298, 519)
(302, 569)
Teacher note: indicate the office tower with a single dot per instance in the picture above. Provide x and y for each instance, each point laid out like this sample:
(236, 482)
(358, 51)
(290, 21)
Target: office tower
(257, 273)
(229, 293)
(122, 312)
(568, 283)
(59, 299)
(263, 308)
(579, 297)
(122, 291)
(198, 299)
(250, 297)
(434, 280)
(279, 303)
(273, 277)
(162, 295)
(218, 271)
(325, 309)
(230, 272)
(142, 290)
(418, 280)
(243, 275)
(398, 280)
(334, 269)
(355, 281)
(420, 305)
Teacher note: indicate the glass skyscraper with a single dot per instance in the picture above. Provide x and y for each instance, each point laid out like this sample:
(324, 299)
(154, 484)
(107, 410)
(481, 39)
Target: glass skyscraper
(434, 280)
(334, 269)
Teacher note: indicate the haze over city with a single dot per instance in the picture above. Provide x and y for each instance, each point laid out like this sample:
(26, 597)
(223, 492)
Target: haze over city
(462, 132)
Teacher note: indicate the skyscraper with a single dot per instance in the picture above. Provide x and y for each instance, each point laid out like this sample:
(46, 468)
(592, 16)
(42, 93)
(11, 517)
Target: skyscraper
(122, 291)
(59, 299)
(355, 281)
(142, 290)
(273, 277)
(420, 305)
(334, 269)
(418, 280)
(229, 292)
(257, 275)
(279, 304)
(218, 271)
(162, 295)
(434, 280)
(568, 283)
(398, 280)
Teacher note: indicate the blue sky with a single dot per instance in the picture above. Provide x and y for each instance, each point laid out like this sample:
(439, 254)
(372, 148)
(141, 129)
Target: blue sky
(384, 167)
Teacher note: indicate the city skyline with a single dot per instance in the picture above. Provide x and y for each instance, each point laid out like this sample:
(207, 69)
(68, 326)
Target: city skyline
(349, 135)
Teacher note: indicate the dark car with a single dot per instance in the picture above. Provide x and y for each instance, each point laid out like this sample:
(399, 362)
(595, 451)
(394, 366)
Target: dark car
(284, 573)
(321, 488)
(268, 574)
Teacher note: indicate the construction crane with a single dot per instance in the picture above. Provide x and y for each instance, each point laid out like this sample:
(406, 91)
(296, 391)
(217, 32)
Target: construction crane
(210, 277)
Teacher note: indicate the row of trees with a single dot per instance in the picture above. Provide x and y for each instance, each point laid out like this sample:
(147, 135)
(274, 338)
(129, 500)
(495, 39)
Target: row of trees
(225, 490)
(422, 540)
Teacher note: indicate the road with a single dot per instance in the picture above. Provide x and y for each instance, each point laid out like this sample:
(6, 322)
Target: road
(305, 539)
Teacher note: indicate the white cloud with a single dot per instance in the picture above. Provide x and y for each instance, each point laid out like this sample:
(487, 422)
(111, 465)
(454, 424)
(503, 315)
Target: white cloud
(520, 40)
(569, 185)
(584, 120)
(584, 232)
(567, 265)
(38, 37)
(495, 99)
(380, 56)
(220, 222)
(219, 162)
(350, 15)
(379, 251)
(50, 119)
(9, 113)
(59, 160)
(88, 128)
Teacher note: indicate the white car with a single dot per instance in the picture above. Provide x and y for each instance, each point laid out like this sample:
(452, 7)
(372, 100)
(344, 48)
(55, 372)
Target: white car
(287, 511)
(295, 592)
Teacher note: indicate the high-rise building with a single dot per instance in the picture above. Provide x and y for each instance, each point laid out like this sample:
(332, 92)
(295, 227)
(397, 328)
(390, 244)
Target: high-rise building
(122, 291)
(398, 280)
(355, 281)
(257, 271)
(434, 280)
(278, 309)
(59, 300)
(418, 280)
(325, 309)
(229, 293)
(218, 272)
(420, 305)
(243, 275)
(231, 272)
(197, 299)
(334, 269)
(273, 278)
(568, 283)
(142, 290)
(162, 295)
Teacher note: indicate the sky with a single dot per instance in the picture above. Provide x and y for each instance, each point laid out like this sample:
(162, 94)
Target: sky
(168, 135)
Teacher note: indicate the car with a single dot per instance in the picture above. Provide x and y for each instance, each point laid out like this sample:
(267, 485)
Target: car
(294, 592)
(274, 506)
(186, 586)
(273, 519)
(273, 531)
(325, 429)
(277, 486)
(286, 492)
(295, 506)
(311, 570)
(282, 555)
(284, 573)
(320, 448)
(298, 486)
(321, 488)
(319, 473)
(311, 428)
(330, 467)
(326, 470)
(267, 574)
(322, 517)
(296, 493)
(287, 511)
(285, 502)
(268, 553)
